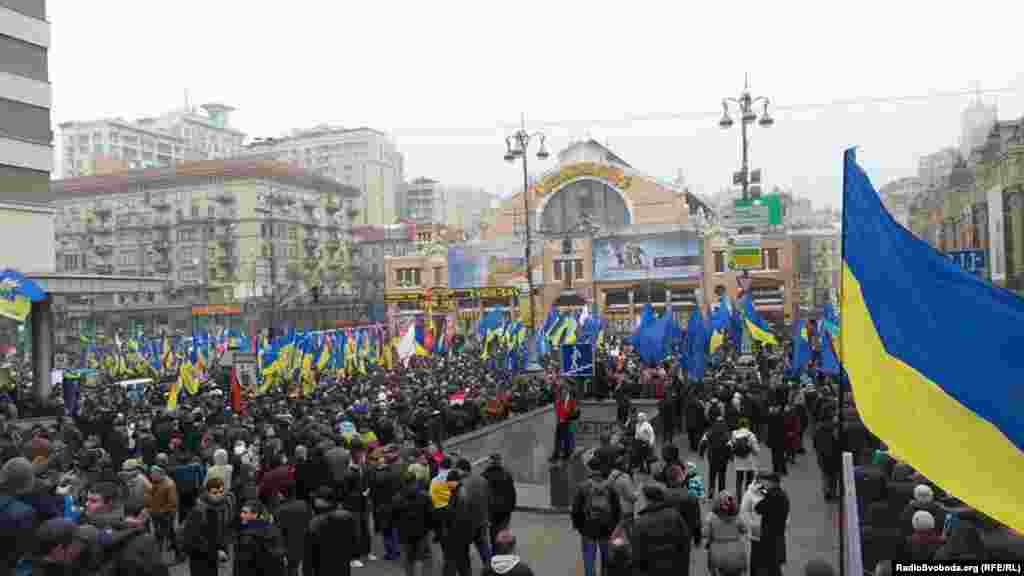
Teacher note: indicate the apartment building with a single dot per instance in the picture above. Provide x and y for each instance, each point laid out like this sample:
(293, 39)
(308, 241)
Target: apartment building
(26, 142)
(114, 144)
(220, 230)
(363, 158)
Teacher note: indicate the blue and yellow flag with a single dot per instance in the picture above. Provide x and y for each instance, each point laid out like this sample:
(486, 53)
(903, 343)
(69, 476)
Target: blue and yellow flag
(17, 294)
(933, 357)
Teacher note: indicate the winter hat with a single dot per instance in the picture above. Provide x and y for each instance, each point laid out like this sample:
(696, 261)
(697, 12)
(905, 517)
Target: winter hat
(17, 476)
(923, 521)
(301, 452)
(220, 457)
(923, 494)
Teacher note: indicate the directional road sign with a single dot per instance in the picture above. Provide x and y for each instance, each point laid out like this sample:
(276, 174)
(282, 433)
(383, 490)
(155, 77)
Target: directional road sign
(578, 360)
(972, 261)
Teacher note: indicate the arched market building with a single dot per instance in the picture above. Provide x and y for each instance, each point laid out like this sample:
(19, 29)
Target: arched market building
(653, 243)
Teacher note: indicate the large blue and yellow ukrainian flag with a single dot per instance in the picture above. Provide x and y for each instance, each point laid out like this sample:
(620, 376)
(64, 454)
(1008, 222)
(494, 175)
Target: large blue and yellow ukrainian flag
(933, 356)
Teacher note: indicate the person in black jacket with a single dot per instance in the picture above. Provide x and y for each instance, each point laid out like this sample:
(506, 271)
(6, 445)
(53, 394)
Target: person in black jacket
(825, 444)
(260, 547)
(687, 505)
(386, 482)
(716, 444)
(769, 554)
(502, 491)
(661, 539)
(356, 490)
(329, 549)
(292, 519)
(412, 511)
(596, 511)
(694, 421)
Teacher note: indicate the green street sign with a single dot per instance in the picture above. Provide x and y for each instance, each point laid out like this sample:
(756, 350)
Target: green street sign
(757, 212)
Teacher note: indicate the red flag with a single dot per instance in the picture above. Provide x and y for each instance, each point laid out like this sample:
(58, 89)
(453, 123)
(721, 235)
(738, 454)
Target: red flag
(236, 393)
(428, 337)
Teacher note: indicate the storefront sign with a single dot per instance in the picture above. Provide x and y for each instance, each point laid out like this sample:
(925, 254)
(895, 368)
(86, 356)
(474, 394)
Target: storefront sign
(758, 212)
(439, 295)
(645, 257)
(746, 252)
(612, 174)
(216, 310)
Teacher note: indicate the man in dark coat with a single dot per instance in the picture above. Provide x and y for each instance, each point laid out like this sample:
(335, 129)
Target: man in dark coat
(259, 549)
(661, 540)
(386, 482)
(502, 491)
(694, 421)
(293, 518)
(18, 520)
(769, 554)
(473, 508)
(329, 543)
(825, 445)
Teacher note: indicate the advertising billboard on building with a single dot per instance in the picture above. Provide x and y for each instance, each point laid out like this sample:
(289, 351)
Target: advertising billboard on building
(996, 235)
(475, 267)
(653, 256)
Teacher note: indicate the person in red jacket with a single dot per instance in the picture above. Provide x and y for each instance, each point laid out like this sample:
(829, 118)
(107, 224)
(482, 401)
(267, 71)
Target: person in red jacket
(567, 413)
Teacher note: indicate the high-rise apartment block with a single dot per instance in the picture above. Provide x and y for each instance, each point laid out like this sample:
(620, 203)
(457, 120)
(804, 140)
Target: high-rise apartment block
(975, 123)
(26, 142)
(218, 229)
(363, 158)
(115, 144)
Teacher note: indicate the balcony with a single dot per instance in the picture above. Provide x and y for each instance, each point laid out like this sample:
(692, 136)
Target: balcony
(103, 248)
(163, 267)
(224, 197)
(226, 239)
(310, 204)
(103, 210)
(161, 223)
(104, 269)
(332, 207)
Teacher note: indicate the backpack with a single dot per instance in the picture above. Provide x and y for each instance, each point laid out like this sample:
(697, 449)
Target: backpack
(741, 447)
(597, 510)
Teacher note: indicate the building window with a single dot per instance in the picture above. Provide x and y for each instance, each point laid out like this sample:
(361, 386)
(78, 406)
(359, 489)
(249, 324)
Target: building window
(438, 275)
(293, 232)
(770, 258)
(578, 264)
(558, 270)
(211, 212)
(293, 251)
(195, 210)
(719, 261)
(408, 276)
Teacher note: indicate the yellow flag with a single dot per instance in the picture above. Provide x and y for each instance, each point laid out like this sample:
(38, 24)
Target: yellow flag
(172, 395)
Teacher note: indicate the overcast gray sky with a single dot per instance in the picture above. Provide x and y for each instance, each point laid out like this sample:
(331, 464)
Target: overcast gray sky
(447, 77)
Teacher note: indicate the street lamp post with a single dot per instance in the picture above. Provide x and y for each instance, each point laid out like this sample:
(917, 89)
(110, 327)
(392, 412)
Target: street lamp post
(516, 146)
(745, 104)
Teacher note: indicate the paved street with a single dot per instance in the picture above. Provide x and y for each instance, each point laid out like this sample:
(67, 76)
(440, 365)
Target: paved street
(549, 545)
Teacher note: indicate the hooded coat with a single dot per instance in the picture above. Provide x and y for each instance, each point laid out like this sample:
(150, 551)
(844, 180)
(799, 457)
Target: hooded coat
(661, 541)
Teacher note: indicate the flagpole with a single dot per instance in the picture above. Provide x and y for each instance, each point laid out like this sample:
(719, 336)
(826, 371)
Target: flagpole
(847, 156)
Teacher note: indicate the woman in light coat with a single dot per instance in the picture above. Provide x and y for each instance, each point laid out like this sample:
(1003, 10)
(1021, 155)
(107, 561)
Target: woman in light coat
(746, 465)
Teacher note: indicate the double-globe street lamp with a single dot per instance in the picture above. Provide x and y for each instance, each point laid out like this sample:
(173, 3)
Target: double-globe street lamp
(745, 105)
(516, 147)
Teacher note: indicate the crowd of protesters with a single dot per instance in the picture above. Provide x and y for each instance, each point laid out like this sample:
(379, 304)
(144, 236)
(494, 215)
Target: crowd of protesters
(291, 482)
(904, 516)
(641, 514)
